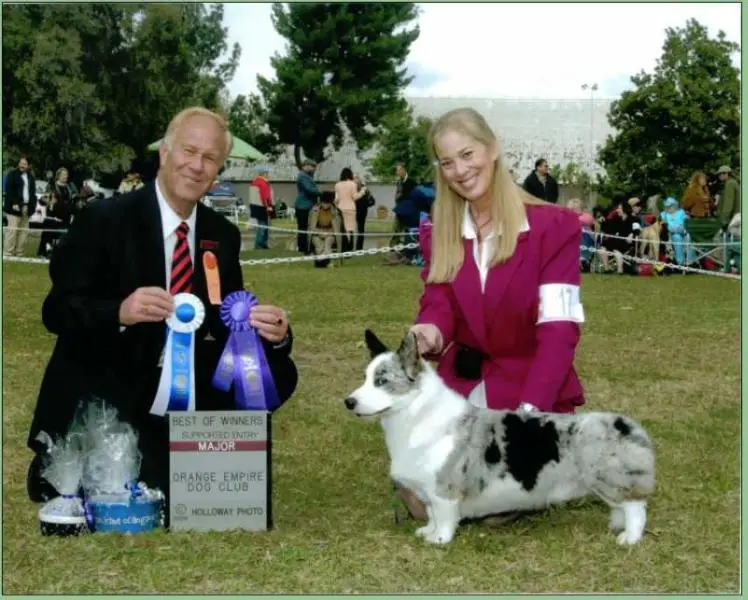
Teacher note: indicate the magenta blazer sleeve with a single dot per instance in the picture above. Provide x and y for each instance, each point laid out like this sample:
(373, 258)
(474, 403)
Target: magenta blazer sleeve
(556, 340)
(437, 305)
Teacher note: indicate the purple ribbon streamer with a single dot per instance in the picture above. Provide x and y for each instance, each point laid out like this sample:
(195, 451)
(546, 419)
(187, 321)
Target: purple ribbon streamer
(243, 363)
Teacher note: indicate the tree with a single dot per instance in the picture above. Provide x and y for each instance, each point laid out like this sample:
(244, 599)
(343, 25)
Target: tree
(89, 86)
(403, 138)
(248, 120)
(344, 65)
(171, 63)
(572, 174)
(682, 117)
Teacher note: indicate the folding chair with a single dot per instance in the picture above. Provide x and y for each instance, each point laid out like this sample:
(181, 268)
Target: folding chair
(703, 242)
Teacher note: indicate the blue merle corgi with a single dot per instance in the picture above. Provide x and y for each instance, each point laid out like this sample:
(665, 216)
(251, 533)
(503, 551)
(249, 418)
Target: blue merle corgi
(466, 462)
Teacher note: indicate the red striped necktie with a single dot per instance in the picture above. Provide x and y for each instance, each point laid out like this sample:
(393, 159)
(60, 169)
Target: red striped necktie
(181, 263)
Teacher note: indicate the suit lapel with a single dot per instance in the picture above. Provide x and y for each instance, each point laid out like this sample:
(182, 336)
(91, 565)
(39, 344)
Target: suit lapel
(202, 230)
(467, 290)
(500, 277)
(151, 242)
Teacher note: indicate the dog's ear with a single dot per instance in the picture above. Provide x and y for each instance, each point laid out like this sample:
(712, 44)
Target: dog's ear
(409, 356)
(374, 344)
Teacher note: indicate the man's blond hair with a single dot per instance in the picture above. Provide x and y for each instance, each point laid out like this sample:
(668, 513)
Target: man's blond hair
(198, 111)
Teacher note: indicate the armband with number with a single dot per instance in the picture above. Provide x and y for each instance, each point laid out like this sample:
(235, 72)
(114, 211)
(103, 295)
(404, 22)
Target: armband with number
(560, 302)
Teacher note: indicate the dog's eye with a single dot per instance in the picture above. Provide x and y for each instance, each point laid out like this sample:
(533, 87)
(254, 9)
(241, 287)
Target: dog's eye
(380, 380)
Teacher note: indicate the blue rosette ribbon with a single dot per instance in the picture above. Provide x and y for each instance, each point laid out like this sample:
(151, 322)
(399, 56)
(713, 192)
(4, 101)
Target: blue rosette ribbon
(243, 363)
(176, 388)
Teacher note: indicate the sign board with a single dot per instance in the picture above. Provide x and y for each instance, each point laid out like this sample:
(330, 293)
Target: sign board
(219, 471)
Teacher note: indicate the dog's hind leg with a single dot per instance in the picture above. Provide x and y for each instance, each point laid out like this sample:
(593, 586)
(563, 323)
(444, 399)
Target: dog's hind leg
(617, 521)
(635, 515)
(446, 516)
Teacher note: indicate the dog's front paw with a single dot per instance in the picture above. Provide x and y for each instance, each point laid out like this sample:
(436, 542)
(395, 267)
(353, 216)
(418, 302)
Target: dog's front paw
(629, 538)
(439, 537)
(425, 530)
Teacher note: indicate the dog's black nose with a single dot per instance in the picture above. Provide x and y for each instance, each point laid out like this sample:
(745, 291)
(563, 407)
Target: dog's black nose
(350, 403)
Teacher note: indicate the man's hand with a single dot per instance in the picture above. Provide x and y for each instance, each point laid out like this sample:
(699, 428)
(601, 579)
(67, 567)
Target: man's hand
(429, 338)
(146, 305)
(271, 322)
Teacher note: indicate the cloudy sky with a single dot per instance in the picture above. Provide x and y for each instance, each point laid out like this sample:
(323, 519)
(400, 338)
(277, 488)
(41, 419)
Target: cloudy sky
(511, 50)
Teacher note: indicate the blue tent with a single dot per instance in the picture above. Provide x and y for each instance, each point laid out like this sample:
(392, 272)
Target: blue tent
(222, 189)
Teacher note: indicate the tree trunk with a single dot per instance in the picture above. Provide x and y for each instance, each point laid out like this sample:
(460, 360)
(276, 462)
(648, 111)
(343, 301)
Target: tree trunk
(297, 155)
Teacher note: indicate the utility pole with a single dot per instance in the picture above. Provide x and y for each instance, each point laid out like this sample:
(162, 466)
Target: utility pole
(592, 87)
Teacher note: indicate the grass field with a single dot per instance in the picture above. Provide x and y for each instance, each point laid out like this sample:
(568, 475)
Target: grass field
(665, 351)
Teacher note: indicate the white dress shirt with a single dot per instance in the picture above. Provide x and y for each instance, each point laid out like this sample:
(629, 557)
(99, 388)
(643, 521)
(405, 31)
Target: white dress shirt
(482, 253)
(170, 221)
(25, 178)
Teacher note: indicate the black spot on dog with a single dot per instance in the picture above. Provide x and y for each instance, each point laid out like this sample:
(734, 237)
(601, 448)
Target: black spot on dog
(481, 484)
(492, 454)
(622, 426)
(637, 472)
(464, 468)
(573, 429)
(492, 429)
(530, 445)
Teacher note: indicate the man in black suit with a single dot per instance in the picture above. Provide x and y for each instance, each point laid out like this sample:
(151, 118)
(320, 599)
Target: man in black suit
(113, 279)
(19, 205)
(540, 184)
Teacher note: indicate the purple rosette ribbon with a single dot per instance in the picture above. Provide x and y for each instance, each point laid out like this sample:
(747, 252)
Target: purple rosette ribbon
(243, 363)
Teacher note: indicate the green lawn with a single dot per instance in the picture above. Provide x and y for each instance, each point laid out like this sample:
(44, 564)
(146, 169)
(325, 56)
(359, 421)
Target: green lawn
(664, 351)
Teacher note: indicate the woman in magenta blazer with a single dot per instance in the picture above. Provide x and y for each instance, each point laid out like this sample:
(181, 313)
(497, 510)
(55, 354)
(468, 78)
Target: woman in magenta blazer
(501, 309)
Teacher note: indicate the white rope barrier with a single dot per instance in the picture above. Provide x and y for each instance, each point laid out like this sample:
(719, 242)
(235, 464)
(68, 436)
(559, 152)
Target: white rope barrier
(414, 246)
(309, 231)
(390, 234)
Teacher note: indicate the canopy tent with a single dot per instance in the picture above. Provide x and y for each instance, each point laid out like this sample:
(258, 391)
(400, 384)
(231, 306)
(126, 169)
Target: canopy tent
(240, 149)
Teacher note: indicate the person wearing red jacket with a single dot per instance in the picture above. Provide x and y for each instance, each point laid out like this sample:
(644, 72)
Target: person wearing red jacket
(261, 207)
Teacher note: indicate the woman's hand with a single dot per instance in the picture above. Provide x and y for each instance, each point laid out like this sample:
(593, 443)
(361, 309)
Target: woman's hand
(428, 338)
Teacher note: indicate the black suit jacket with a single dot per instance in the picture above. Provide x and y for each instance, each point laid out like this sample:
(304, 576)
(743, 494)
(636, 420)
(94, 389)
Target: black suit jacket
(549, 192)
(14, 194)
(114, 247)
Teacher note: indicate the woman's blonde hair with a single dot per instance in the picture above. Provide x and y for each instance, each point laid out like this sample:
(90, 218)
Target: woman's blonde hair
(59, 172)
(199, 111)
(507, 210)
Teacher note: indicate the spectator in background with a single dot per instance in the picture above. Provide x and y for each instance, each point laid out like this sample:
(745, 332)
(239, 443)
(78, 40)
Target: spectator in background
(346, 196)
(261, 207)
(20, 203)
(618, 236)
(729, 203)
(130, 182)
(308, 193)
(404, 185)
(325, 226)
(675, 218)
(696, 198)
(59, 200)
(587, 223)
(540, 184)
(363, 204)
